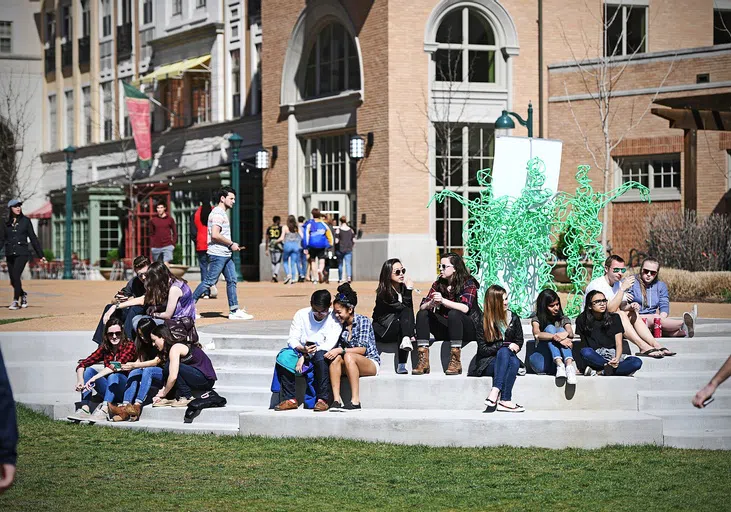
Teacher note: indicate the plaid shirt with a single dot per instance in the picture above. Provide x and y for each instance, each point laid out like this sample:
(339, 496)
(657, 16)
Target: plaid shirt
(363, 336)
(467, 296)
(125, 354)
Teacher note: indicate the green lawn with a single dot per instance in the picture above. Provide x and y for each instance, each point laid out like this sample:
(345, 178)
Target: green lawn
(77, 467)
(4, 321)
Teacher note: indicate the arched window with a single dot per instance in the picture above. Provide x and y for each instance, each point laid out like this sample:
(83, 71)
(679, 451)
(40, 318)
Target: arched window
(332, 65)
(466, 48)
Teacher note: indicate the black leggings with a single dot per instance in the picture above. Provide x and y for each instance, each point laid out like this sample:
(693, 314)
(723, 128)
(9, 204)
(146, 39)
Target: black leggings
(16, 265)
(401, 326)
(457, 327)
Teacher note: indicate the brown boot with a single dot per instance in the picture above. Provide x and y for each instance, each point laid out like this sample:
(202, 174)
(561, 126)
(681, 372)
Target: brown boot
(422, 367)
(118, 412)
(134, 411)
(287, 405)
(455, 362)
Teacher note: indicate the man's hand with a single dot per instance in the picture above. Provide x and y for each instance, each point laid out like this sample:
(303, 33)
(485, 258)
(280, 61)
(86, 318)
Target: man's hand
(235, 247)
(704, 394)
(7, 477)
(109, 314)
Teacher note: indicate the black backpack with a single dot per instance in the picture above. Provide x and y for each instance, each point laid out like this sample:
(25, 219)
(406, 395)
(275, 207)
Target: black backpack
(205, 401)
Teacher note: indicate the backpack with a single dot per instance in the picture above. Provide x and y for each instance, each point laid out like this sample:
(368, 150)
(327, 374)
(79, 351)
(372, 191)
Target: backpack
(318, 238)
(206, 400)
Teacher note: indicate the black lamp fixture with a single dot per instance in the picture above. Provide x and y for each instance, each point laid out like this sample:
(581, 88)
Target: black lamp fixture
(358, 145)
(262, 157)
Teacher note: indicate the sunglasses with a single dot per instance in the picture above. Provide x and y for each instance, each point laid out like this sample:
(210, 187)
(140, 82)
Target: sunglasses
(622, 270)
(399, 271)
(649, 272)
(114, 334)
(444, 267)
(599, 301)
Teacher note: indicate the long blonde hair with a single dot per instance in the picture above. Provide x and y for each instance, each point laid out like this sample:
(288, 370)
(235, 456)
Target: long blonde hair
(495, 317)
(643, 286)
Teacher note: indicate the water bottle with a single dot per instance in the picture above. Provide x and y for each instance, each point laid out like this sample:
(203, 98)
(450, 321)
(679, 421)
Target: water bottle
(657, 330)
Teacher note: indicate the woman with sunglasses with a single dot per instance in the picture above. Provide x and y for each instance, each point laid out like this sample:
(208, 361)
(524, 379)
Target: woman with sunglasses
(115, 350)
(651, 295)
(393, 316)
(601, 333)
(449, 312)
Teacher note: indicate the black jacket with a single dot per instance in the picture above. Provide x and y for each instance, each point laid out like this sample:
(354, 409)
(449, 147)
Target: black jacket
(8, 423)
(15, 237)
(487, 350)
(384, 313)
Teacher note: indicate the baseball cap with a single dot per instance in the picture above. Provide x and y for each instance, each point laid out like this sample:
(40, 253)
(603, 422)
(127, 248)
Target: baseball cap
(14, 202)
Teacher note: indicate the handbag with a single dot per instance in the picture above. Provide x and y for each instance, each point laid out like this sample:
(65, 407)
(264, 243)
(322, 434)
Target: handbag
(183, 330)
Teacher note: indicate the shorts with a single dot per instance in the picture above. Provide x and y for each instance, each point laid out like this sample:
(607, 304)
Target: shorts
(315, 253)
(378, 366)
(166, 253)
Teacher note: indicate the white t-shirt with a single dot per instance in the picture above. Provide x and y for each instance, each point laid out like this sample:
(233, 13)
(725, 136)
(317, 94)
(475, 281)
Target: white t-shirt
(218, 217)
(600, 284)
(305, 328)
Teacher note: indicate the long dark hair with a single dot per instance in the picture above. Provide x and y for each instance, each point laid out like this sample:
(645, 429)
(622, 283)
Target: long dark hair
(545, 298)
(459, 278)
(162, 331)
(143, 342)
(589, 319)
(346, 296)
(292, 224)
(12, 216)
(495, 315)
(157, 285)
(386, 291)
(205, 212)
(106, 344)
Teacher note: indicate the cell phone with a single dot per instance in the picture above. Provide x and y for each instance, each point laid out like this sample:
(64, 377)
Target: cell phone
(116, 365)
(708, 401)
(310, 343)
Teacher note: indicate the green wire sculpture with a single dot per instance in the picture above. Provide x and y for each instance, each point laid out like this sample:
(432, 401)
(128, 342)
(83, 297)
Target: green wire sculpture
(508, 240)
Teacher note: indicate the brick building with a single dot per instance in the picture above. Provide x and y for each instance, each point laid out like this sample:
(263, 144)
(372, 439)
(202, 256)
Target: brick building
(425, 80)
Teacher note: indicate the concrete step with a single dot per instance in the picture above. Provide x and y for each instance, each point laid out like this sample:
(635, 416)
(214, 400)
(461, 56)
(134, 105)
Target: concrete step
(549, 429)
(706, 440)
(41, 376)
(691, 381)
(197, 427)
(247, 341)
(649, 401)
(236, 358)
(251, 377)
(246, 395)
(697, 420)
(698, 345)
(47, 346)
(685, 363)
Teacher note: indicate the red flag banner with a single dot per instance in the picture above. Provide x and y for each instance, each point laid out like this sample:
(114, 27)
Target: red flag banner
(138, 109)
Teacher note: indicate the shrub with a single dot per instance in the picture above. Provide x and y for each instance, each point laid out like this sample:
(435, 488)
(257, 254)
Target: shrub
(112, 255)
(685, 286)
(681, 240)
(177, 255)
(48, 254)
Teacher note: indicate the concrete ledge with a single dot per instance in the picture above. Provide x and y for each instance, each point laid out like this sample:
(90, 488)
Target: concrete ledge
(462, 428)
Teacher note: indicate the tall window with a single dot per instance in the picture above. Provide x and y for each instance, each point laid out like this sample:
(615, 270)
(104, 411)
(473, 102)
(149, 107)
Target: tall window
(721, 26)
(52, 127)
(50, 27)
(332, 65)
(108, 227)
(147, 12)
(108, 98)
(656, 172)
(6, 36)
(106, 18)
(327, 164)
(626, 30)
(69, 98)
(461, 151)
(236, 81)
(85, 19)
(177, 7)
(86, 93)
(105, 55)
(466, 48)
(66, 28)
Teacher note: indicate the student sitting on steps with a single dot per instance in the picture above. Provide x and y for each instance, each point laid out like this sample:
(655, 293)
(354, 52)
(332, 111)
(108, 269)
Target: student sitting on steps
(497, 349)
(601, 332)
(356, 353)
(313, 333)
(449, 312)
(554, 337)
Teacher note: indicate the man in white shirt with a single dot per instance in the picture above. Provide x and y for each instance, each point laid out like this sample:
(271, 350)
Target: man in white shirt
(313, 332)
(614, 288)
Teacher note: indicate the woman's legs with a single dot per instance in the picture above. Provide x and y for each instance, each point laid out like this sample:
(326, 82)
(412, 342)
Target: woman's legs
(291, 255)
(348, 260)
(460, 328)
(672, 327)
(202, 264)
(341, 262)
(504, 369)
(100, 385)
(643, 341)
(116, 384)
(357, 366)
(336, 371)
(190, 378)
(396, 332)
(626, 367)
(150, 376)
(133, 385)
(16, 265)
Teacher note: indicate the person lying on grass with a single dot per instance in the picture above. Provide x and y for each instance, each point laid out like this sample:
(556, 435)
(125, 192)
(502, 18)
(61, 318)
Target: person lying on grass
(186, 369)
(144, 373)
(601, 332)
(554, 334)
(356, 353)
(110, 380)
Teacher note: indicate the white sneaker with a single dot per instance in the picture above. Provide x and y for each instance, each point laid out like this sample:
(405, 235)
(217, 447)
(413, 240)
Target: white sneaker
(406, 344)
(213, 292)
(560, 372)
(571, 375)
(210, 346)
(240, 314)
(24, 301)
(589, 372)
(14, 305)
(197, 316)
(100, 414)
(521, 372)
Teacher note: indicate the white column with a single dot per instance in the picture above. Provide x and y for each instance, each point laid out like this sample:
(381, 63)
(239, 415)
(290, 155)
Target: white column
(294, 196)
(218, 74)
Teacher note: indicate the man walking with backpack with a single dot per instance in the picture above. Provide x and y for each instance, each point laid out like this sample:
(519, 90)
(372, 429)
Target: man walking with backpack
(318, 238)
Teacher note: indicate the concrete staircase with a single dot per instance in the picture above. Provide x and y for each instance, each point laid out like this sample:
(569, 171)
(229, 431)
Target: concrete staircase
(438, 410)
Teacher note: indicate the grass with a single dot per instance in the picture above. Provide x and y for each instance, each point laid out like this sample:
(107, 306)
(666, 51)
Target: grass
(4, 321)
(63, 466)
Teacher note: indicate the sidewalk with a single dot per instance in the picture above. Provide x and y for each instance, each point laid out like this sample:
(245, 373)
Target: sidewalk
(76, 305)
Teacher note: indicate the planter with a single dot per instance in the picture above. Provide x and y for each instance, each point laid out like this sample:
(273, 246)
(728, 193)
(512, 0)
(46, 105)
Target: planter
(106, 272)
(560, 271)
(178, 270)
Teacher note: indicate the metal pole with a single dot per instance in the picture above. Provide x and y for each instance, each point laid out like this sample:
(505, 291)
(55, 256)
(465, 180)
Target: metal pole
(529, 121)
(235, 217)
(69, 213)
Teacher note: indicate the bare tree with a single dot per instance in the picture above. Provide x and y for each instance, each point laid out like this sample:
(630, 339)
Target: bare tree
(601, 68)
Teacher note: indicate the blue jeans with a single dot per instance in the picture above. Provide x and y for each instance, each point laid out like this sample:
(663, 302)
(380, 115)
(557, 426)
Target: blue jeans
(542, 360)
(302, 264)
(629, 365)
(216, 266)
(345, 260)
(110, 387)
(139, 383)
(321, 367)
(504, 370)
(202, 263)
(292, 252)
(189, 378)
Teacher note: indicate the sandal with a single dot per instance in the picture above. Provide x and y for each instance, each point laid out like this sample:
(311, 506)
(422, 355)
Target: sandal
(651, 352)
(667, 352)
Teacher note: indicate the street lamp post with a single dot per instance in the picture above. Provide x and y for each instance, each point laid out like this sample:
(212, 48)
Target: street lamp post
(505, 123)
(69, 152)
(235, 140)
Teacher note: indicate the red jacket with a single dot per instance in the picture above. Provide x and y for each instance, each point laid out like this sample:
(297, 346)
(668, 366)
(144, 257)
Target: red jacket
(201, 231)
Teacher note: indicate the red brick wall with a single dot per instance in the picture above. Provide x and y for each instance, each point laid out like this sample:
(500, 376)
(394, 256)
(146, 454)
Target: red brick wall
(630, 222)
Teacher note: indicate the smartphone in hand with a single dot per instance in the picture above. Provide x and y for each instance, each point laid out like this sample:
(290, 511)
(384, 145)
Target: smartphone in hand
(116, 365)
